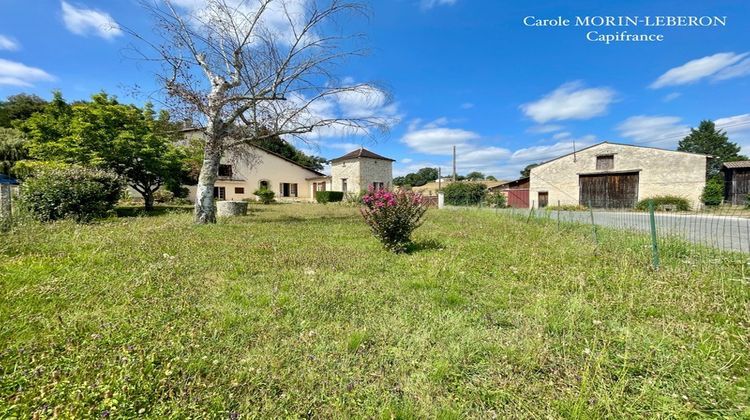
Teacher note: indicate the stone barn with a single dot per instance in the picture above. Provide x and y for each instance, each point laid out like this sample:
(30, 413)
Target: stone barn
(614, 175)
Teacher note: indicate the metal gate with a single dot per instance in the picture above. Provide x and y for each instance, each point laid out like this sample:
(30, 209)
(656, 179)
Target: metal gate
(609, 190)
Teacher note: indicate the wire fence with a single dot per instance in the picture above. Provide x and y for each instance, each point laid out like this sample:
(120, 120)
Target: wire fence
(705, 236)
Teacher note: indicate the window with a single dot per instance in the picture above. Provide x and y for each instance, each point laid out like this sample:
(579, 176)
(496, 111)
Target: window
(225, 170)
(263, 185)
(220, 193)
(288, 189)
(605, 162)
(343, 185)
(378, 186)
(239, 190)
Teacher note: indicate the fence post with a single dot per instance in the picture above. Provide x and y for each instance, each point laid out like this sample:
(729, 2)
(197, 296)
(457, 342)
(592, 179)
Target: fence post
(593, 228)
(654, 244)
(441, 200)
(531, 212)
(5, 205)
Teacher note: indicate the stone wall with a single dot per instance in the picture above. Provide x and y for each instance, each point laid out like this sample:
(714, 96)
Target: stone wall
(661, 172)
(349, 170)
(376, 170)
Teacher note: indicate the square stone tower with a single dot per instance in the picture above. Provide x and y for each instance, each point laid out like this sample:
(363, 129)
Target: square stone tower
(359, 170)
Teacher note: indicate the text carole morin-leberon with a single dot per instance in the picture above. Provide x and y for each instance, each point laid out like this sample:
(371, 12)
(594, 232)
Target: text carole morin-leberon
(665, 21)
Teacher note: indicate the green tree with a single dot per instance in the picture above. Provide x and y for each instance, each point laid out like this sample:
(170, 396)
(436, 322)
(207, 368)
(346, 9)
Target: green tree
(283, 148)
(12, 149)
(490, 178)
(103, 133)
(417, 179)
(475, 176)
(526, 172)
(19, 107)
(706, 139)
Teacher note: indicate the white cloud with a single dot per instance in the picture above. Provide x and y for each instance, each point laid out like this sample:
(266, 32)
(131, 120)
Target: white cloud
(561, 135)
(347, 147)
(544, 129)
(82, 21)
(671, 97)
(429, 4)
(571, 101)
(737, 127)
(536, 154)
(467, 105)
(406, 160)
(738, 70)
(18, 74)
(8, 44)
(665, 131)
(721, 66)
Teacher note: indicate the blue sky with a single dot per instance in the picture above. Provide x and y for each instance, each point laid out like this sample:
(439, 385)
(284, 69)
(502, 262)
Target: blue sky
(461, 72)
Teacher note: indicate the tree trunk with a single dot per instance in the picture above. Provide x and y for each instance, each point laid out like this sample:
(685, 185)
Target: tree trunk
(148, 199)
(205, 210)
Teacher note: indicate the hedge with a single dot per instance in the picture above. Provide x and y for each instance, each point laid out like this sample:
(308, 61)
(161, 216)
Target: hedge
(329, 196)
(81, 194)
(464, 193)
(679, 203)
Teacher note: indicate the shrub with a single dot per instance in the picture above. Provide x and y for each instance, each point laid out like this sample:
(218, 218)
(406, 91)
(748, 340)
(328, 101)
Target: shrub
(679, 203)
(393, 216)
(495, 199)
(329, 196)
(464, 193)
(265, 195)
(567, 207)
(77, 193)
(163, 196)
(713, 192)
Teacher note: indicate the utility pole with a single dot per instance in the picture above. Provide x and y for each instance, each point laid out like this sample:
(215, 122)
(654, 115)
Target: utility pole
(440, 180)
(454, 163)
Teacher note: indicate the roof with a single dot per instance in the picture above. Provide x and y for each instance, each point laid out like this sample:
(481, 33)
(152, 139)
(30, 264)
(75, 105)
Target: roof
(737, 164)
(620, 144)
(6, 180)
(361, 153)
(187, 130)
(513, 183)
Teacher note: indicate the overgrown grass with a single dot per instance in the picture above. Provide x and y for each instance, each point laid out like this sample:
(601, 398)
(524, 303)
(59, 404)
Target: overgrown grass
(297, 311)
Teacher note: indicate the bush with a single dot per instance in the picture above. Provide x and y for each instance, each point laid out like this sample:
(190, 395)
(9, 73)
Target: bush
(264, 195)
(679, 203)
(393, 216)
(464, 193)
(713, 192)
(495, 199)
(329, 196)
(163, 196)
(77, 193)
(567, 207)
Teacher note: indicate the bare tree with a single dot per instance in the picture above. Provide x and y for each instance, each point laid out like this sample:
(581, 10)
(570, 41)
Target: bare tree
(251, 69)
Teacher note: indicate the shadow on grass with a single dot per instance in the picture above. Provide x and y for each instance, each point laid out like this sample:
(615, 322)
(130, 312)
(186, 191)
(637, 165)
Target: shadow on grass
(132, 211)
(425, 245)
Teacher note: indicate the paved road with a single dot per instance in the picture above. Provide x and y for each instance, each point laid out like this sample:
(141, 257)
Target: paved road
(723, 232)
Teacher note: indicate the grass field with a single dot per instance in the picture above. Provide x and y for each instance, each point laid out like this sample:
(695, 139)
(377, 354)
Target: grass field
(297, 311)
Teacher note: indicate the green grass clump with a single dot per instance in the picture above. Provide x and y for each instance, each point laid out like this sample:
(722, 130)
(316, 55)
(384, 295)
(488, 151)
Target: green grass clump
(661, 201)
(264, 316)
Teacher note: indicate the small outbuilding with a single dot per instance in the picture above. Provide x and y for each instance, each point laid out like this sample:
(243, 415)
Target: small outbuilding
(614, 175)
(736, 181)
(516, 192)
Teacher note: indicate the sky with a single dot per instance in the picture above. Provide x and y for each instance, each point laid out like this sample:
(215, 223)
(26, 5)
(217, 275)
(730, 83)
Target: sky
(467, 73)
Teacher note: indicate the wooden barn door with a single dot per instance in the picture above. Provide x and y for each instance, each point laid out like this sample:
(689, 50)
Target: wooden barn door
(609, 191)
(740, 186)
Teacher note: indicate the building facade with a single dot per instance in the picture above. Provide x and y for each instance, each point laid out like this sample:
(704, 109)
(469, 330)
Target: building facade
(613, 175)
(240, 175)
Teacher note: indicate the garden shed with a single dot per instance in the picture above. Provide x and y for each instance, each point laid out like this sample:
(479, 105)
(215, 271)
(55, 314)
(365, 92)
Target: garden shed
(736, 181)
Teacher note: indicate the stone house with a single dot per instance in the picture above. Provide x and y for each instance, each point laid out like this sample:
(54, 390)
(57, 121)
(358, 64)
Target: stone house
(241, 175)
(614, 175)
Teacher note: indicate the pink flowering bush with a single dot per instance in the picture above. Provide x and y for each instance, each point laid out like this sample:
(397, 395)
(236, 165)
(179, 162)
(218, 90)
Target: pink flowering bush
(393, 216)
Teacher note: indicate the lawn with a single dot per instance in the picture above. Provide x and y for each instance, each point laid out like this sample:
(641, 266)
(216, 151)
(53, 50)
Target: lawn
(297, 311)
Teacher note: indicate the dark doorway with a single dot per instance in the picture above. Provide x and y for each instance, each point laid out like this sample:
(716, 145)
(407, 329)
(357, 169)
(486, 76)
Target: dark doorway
(609, 190)
(543, 199)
